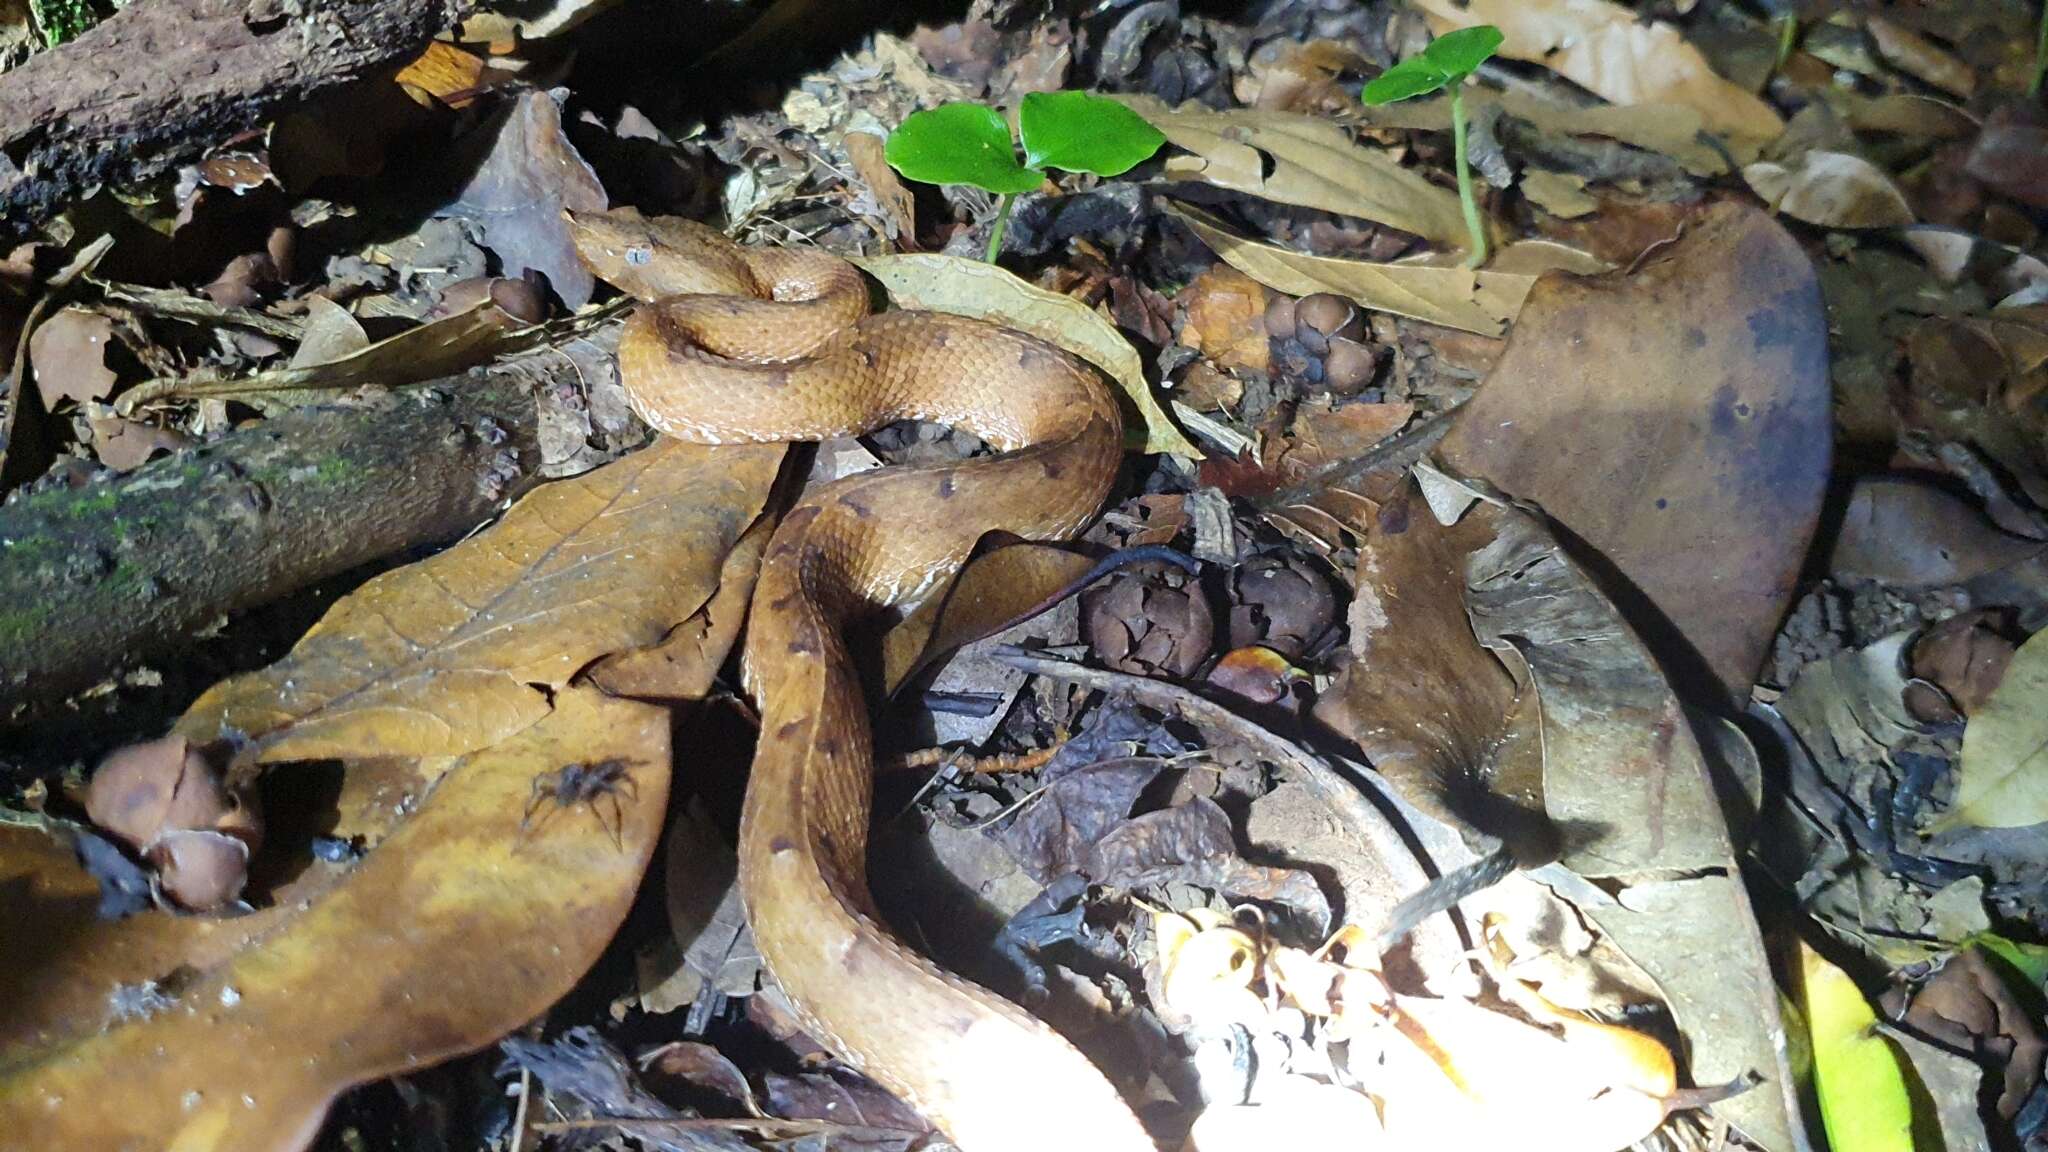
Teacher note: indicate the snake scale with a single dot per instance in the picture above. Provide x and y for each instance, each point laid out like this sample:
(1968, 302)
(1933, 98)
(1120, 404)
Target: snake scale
(739, 344)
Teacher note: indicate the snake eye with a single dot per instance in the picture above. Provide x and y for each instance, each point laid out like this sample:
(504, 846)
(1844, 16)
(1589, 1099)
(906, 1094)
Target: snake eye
(639, 256)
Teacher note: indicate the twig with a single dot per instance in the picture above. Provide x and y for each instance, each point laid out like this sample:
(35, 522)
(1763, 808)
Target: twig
(1396, 451)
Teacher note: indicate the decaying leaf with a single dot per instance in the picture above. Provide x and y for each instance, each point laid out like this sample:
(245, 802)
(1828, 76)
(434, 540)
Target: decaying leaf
(517, 195)
(466, 648)
(1863, 1099)
(1301, 160)
(1691, 455)
(1832, 189)
(2003, 781)
(441, 347)
(1481, 302)
(234, 1035)
(973, 288)
(1914, 535)
(1613, 53)
(1226, 319)
(1673, 130)
(1572, 699)
(69, 355)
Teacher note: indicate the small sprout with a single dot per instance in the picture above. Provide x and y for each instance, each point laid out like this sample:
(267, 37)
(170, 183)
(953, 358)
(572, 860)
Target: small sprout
(1445, 64)
(971, 144)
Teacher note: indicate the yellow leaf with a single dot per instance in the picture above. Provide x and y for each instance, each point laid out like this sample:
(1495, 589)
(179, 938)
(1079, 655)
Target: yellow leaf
(973, 288)
(2004, 766)
(1857, 1076)
(1304, 160)
(464, 649)
(456, 928)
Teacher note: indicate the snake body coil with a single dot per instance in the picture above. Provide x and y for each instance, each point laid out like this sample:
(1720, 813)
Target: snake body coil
(755, 345)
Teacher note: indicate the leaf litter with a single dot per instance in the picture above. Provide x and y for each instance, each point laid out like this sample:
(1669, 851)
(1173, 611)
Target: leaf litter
(1569, 515)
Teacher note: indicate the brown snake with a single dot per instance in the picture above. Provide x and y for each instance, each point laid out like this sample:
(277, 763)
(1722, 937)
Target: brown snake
(745, 344)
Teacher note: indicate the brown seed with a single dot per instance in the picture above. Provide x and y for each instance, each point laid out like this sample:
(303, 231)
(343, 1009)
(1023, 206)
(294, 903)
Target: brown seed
(1280, 317)
(1327, 313)
(1348, 366)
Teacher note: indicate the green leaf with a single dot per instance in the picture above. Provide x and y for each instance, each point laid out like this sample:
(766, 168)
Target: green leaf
(1458, 54)
(959, 144)
(1082, 132)
(1857, 1076)
(1412, 77)
(2029, 960)
(2002, 777)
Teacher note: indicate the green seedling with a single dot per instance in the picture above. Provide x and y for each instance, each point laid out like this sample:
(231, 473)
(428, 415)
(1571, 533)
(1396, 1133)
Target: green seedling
(1444, 65)
(971, 144)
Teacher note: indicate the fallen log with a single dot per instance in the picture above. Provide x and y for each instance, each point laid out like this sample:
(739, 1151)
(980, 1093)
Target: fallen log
(161, 80)
(121, 570)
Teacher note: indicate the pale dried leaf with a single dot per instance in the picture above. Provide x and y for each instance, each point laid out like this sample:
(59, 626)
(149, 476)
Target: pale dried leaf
(69, 354)
(1302, 160)
(1617, 55)
(972, 288)
(1481, 302)
(466, 648)
(331, 333)
(441, 348)
(1832, 189)
(2004, 768)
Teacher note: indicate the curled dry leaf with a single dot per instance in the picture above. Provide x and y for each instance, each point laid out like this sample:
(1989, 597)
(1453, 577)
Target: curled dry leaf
(361, 974)
(1612, 52)
(1226, 319)
(1481, 302)
(973, 288)
(440, 348)
(466, 648)
(1831, 189)
(1481, 653)
(517, 195)
(1691, 455)
(897, 206)
(1301, 160)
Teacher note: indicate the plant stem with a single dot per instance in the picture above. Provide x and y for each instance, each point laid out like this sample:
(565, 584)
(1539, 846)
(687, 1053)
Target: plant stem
(1465, 197)
(995, 237)
(2040, 55)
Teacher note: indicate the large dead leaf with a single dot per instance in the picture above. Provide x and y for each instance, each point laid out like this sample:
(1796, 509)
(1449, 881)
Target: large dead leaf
(1615, 54)
(201, 1034)
(1301, 160)
(1481, 302)
(1480, 650)
(1690, 453)
(517, 195)
(466, 648)
(1671, 129)
(973, 288)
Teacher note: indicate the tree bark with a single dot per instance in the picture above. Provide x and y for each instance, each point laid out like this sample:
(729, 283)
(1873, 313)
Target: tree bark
(161, 80)
(119, 570)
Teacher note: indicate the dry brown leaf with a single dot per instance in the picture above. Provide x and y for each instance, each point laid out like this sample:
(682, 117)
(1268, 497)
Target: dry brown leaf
(466, 648)
(974, 288)
(1690, 455)
(1832, 189)
(1226, 319)
(1615, 54)
(686, 662)
(1920, 57)
(1301, 160)
(441, 72)
(69, 355)
(1481, 302)
(441, 348)
(1559, 193)
(234, 1035)
(517, 196)
(897, 205)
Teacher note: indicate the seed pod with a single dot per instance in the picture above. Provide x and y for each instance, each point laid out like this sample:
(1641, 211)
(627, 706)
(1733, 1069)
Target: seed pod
(1151, 620)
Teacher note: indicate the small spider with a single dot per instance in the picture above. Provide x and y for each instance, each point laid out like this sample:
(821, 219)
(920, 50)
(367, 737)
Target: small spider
(585, 783)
